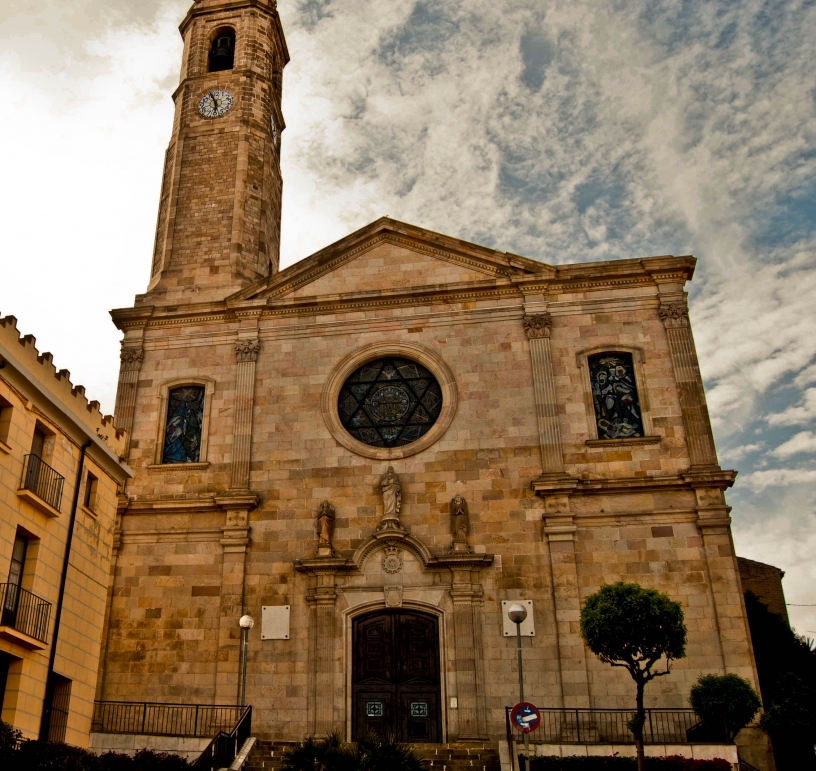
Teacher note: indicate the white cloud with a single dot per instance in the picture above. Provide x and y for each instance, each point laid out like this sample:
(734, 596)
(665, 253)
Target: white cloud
(805, 441)
(806, 376)
(803, 412)
(734, 454)
(779, 477)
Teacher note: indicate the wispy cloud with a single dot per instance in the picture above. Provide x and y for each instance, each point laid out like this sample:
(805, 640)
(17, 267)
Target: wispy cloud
(803, 442)
(804, 411)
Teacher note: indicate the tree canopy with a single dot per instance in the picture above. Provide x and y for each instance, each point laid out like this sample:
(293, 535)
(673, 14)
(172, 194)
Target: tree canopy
(727, 700)
(626, 625)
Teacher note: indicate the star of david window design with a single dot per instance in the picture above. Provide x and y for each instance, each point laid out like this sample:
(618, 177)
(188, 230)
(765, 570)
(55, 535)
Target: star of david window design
(389, 402)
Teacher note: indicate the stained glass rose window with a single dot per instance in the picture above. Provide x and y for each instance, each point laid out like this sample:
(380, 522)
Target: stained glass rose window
(614, 393)
(185, 416)
(389, 402)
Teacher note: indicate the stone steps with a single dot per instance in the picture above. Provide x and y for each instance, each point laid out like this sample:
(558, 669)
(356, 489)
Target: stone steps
(457, 756)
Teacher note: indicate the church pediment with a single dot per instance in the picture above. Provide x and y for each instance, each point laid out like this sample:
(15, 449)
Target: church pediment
(389, 256)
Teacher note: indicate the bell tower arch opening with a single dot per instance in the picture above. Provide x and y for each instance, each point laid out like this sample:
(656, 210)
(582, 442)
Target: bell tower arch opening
(396, 680)
(222, 50)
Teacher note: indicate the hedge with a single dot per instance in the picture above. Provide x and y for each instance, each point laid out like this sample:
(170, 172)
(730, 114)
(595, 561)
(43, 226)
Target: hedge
(673, 763)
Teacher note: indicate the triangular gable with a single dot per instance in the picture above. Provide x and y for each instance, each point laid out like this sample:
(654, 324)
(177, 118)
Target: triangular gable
(390, 255)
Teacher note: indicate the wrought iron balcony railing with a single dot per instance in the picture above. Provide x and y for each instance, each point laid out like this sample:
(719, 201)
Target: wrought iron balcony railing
(42, 480)
(25, 612)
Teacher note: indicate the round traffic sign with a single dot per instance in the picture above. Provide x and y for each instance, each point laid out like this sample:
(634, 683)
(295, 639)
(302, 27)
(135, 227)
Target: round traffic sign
(525, 717)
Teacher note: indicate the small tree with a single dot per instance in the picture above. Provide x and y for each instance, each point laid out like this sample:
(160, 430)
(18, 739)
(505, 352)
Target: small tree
(628, 626)
(725, 700)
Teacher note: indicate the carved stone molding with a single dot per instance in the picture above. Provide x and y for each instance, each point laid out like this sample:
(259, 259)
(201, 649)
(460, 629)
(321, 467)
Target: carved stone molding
(131, 359)
(247, 350)
(674, 315)
(538, 326)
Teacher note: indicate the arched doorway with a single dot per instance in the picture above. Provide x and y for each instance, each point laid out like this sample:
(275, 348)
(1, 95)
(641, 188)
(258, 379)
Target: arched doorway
(396, 687)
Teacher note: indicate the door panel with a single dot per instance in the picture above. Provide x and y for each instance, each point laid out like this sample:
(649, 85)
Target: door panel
(395, 676)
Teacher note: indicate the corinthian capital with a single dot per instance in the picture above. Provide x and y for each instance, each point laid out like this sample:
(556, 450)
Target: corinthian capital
(674, 315)
(131, 359)
(538, 326)
(247, 350)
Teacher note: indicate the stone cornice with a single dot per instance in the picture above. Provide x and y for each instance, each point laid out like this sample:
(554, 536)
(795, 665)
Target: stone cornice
(716, 478)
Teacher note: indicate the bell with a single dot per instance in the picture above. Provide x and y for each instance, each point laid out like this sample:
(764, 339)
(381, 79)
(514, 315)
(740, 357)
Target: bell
(222, 56)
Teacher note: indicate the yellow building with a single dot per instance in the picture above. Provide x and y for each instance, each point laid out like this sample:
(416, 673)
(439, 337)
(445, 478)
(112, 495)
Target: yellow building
(60, 472)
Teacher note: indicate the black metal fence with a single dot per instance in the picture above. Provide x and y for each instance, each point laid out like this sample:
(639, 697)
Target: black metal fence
(24, 611)
(42, 480)
(609, 726)
(152, 719)
(224, 748)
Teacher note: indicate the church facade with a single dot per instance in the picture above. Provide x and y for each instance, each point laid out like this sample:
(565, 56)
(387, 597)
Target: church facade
(376, 449)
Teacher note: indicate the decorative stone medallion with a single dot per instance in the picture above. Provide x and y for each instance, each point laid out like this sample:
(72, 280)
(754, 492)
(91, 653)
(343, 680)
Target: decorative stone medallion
(392, 560)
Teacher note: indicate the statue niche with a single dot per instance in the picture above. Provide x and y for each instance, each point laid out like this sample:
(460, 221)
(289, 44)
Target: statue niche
(460, 524)
(392, 501)
(325, 529)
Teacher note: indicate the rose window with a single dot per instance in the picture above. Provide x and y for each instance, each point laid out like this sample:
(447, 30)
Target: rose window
(389, 402)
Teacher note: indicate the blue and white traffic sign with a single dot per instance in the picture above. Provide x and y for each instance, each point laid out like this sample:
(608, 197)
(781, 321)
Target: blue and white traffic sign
(525, 717)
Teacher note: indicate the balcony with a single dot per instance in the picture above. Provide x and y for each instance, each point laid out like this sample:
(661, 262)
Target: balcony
(23, 617)
(41, 486)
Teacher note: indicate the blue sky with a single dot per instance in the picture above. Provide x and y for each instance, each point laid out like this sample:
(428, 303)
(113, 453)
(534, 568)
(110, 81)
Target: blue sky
(565, 131)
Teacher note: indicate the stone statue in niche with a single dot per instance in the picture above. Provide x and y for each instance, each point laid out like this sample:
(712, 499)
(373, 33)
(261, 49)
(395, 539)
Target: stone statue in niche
(460, 523)
(325, 529)
(392, 500)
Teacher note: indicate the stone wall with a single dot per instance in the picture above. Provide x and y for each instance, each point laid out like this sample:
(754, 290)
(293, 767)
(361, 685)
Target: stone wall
(554, 513)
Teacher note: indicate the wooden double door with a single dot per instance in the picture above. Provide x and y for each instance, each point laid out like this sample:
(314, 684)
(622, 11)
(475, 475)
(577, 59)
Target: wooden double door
(395, 677)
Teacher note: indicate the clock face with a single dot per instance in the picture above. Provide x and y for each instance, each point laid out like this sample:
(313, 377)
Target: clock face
(214, 104)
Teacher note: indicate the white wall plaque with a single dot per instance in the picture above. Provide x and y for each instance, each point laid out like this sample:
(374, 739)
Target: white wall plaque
(527, 626)
(275, 622)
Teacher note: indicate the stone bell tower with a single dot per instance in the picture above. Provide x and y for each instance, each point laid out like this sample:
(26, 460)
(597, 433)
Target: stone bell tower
(220, 210)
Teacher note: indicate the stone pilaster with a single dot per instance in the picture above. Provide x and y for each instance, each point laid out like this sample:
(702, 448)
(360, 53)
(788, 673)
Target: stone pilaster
(467, 664)
(699, 438)
(246, 352)
(131, 363)
(537, 328)
(559, 527)
(235, 542)
(714, 522)
(322, 598)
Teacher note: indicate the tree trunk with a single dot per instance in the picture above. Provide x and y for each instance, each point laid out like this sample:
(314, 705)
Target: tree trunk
(641, 721)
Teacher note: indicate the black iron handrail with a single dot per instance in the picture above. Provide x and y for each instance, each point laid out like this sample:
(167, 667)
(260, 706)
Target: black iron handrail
(746, 766)
(24, 611)
(42, 480)
(224, 748)
(609, 726)
(163, 719)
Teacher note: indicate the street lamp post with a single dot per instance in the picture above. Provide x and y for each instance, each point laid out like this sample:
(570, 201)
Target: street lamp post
(246, 623)
(517, 614)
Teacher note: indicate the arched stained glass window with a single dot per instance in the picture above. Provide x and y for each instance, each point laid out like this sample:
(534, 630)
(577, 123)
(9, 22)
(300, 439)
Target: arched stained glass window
(615, 396)
(185, 416)
(389, 402)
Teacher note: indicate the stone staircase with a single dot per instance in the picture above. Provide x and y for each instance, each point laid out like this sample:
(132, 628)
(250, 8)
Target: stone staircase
(266, 756)
(458, 756)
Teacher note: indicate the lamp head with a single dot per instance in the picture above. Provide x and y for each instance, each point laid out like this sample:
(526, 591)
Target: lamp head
(246, 622)
(517, 613)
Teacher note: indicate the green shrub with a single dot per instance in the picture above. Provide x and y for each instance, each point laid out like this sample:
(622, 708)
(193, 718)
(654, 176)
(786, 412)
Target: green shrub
(727, 700)
(52, 756)
(116, 761)
(9, 739)
(332, 754)
(673, 763)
